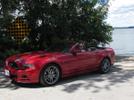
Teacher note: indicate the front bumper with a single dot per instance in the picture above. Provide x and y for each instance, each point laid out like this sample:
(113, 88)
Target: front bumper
(23, 76)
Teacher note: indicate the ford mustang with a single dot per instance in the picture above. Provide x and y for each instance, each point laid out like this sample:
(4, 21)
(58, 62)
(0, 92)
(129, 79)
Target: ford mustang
(49, 66)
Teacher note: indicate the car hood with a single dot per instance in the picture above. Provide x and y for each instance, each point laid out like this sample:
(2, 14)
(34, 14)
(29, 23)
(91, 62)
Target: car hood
(31, 56)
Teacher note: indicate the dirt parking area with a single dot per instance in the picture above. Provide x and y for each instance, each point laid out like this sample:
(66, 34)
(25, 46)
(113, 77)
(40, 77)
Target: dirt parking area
(116, 85)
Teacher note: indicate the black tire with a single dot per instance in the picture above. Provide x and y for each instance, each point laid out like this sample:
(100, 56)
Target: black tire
(105, 66)
(50, 75)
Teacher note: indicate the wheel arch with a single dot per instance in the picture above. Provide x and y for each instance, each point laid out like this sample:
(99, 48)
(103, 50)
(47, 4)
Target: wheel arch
(43, 68)
(54, 63)
(49, 63)
(107, 57)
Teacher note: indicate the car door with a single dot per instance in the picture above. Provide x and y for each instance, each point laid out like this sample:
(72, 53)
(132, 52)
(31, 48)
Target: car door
(84, 60)
(93, 59)
(71, 64)
(88, 60)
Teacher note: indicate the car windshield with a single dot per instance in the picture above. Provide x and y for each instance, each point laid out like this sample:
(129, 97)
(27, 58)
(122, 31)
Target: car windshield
(59, 48)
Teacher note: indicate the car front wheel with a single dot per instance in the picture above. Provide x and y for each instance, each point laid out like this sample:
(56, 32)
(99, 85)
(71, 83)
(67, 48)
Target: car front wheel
(50, 75)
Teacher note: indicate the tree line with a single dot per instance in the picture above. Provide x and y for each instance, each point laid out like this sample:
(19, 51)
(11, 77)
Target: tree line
(55, 21)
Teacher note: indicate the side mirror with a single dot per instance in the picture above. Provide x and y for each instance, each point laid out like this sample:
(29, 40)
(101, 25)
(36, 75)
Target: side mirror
(74, 51)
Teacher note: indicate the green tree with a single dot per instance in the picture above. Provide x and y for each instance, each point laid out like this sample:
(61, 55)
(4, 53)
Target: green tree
(7, 14)
(65, 20)
(54, 21)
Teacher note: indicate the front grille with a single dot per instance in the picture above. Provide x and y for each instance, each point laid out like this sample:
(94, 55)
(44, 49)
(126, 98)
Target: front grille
(13, 65)
(13, 76)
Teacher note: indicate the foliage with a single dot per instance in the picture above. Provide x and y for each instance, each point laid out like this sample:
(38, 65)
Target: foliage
(7, 8)
(10, 52)
(67, 19)
(5, 54)
(54, 20)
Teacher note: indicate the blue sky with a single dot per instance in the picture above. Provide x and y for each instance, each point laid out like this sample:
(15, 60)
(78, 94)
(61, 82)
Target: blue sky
(121, 13)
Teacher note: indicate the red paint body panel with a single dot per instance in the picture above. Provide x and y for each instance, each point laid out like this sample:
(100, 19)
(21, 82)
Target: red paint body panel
(70, 64)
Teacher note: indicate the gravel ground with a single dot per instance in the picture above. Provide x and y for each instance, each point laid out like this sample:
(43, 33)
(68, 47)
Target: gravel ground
(116, 85)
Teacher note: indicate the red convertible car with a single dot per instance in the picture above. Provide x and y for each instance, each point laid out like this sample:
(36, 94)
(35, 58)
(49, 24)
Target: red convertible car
(48, 67)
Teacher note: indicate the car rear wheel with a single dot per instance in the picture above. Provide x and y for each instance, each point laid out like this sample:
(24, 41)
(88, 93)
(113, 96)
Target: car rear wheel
(105, 66)
(50, 75)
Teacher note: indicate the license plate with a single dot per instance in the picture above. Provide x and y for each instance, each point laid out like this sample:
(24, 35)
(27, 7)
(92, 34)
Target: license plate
(7, 73)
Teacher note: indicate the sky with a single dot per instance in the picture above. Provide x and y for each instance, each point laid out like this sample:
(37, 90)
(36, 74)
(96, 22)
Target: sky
(121, 13)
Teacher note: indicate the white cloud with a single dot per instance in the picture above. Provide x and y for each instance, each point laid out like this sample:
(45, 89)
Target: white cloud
(121, 13)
